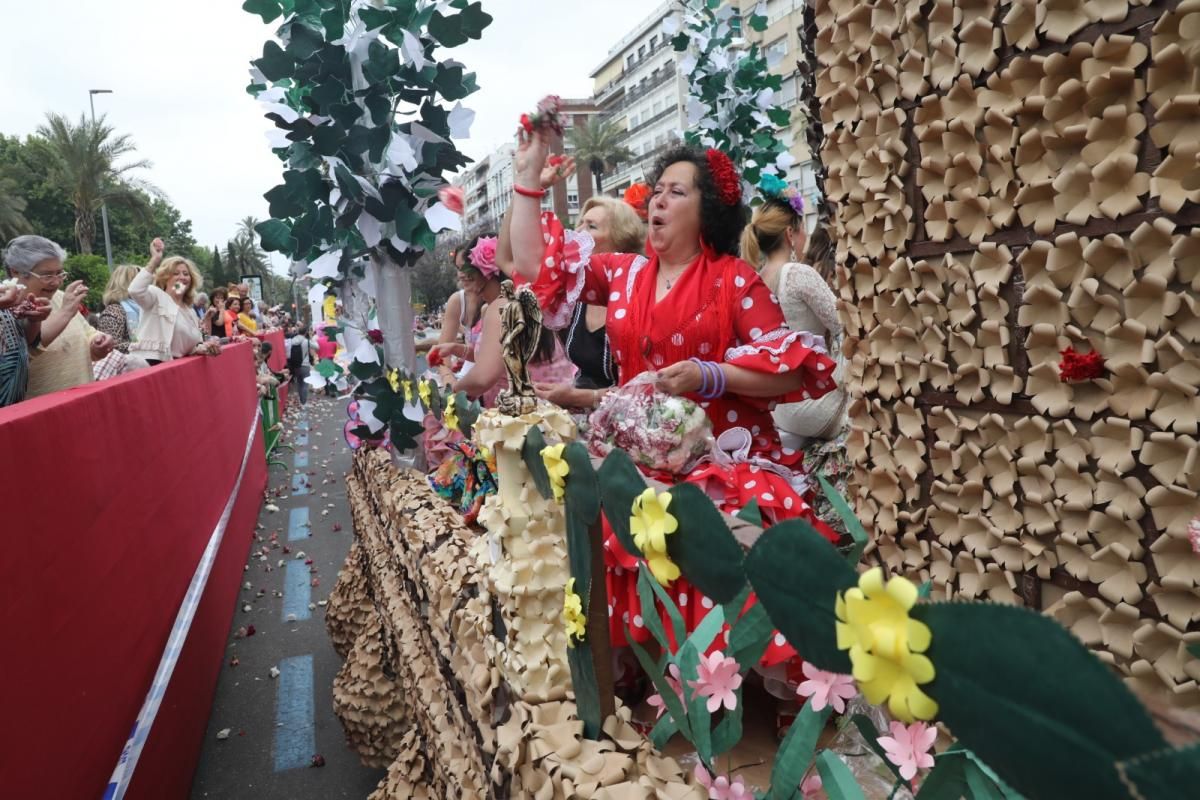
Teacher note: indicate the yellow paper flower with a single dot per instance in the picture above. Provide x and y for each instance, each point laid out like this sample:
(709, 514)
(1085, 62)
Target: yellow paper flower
(393, 378)
(573, 615)
(408, 395)
(885, 644)
(650, 523)
(423, 390)
(557, 468)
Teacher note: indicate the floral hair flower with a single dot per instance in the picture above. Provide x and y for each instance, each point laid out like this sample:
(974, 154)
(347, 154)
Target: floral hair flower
(573, 615)
(393, 379)
(725, 176)
(826, 688)
(720, 787)
(675, 681)
(546, 116)
(449, 415)
(557, 468)
(1076, 367)
(483, 256)
(375, 336)
(650, 523)
(452, 198)
(885, 644)
(717, 678)
(424, 390)
(638, 198)
(775, 188)
(908, 747)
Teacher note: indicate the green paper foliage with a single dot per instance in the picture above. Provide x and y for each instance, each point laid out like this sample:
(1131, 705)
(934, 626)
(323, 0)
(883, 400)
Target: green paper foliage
(751, 513)
(849, 519)
(620, 484)
(703, 547)
(836, 778)
(1169, 774)
(797, 575)
(586, 687)
(582, 509)
(796, 751)
(1015, 686)
(531, 454)
(871, 736)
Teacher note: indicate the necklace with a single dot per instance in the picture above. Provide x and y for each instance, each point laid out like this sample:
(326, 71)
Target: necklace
(677, 275)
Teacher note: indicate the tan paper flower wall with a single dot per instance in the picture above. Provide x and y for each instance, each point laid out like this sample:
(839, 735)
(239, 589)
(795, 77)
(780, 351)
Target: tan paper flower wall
(1023, 176)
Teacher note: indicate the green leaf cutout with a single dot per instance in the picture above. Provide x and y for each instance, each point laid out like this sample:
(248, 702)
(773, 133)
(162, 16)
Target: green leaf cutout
(797, 575)
(267, 9)
(871, 736)
(664, 729)
(1168, 774)
(582, 508)
(620, 484)
(750, 636)
(796, 751)
(704, 547)
(275, 236)
(836, 778)
(670, 699)
(699, 718)
(751, 513)
(531, 453)
(646, 585)
(1015, 687)
(587, 690)
(848, 518)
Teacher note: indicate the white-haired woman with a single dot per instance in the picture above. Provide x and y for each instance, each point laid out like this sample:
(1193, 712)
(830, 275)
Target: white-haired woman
(63, 356)
(165, 290)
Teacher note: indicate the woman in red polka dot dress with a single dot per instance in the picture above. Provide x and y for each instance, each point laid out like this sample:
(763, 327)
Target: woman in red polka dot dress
(698, 316)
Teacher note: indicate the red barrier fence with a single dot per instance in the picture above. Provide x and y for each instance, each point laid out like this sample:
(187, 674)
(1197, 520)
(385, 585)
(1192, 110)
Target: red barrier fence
(110, 493)
(278, 359)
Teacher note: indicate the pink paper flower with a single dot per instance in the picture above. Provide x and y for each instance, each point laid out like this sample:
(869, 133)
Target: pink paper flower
(720, 787)
(717, 679)
(827, 688)
(452, 198)
(812, 788)
(676, 682)
(483, 256)
(1194, 534)
(908, 747)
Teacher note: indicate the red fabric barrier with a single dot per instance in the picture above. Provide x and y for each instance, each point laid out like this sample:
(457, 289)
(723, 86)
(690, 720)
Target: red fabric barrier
(111, 492)
(278, 359)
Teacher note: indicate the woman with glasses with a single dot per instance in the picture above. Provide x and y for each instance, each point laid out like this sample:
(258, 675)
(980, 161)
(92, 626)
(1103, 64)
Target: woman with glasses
(63, 356)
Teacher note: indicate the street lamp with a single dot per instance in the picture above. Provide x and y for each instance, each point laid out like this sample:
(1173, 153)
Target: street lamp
(103, 205)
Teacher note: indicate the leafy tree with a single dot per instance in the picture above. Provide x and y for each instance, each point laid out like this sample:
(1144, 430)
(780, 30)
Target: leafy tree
(599, 145)
(47, 210)
(434, 278)
(219, 276)
(84, 168)
(132, 233)
(12, 209)
(93, 271)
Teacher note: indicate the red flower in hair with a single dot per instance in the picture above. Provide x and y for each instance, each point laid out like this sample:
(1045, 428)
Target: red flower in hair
(638, 196)
(725, 176)
(1076, 367)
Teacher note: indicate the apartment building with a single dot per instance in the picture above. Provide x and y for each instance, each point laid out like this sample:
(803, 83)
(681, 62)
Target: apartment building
(639, 88)
(570, 195)
(473, 181)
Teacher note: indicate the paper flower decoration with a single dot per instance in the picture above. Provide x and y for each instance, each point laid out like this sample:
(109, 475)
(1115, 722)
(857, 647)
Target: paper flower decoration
(720, 787)
(375, 336)
(675, 681)
(1077, 367)
(556, 468)
(1194, 535)
(393, 379)
(908, 747)
(725, 177)
(638, 197)
(775, 188)
(650, 524)
(573, 615)
(826, 688)
(546, 116)
(450, 416)
(718, 679)
(407, 385)
(452, 198)
(424, 390)
(885, 644)
(811, 788)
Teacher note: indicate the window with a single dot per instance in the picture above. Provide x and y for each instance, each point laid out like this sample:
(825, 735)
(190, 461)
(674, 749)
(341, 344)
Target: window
(776, 51)
(633, 121)
(787, 97)
(657, 108)
(641, 52)
(629, 61)
(653, 42)
(572, 198)
(778, 9)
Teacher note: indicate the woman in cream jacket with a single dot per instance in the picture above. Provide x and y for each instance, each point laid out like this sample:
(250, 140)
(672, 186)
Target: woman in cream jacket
(165, 290)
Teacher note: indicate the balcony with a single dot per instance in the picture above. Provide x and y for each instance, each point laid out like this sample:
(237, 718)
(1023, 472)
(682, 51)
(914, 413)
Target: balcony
(666, 112)
(633, 95)
(616, 83)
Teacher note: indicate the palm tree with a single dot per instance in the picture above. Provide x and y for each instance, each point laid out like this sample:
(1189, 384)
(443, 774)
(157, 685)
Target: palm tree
(84, 158)
(12, 210)
(243, 256)
(598, 144)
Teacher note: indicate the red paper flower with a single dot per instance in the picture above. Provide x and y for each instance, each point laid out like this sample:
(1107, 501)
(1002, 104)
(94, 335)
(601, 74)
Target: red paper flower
(376, 337)
(638, 196)
(452, 198)
(434, 358)
(555, 160)
(1076, 367)
(527, 123)
(725, 176)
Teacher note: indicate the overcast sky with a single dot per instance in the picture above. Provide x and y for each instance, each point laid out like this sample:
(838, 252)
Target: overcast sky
(178, 71)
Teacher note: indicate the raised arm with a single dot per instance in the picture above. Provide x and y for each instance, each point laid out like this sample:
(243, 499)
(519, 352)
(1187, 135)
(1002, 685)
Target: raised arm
(550, 175)
(526, 228)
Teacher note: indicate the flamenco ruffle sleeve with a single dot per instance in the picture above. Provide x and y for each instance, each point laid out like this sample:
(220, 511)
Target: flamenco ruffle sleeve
(572, 272)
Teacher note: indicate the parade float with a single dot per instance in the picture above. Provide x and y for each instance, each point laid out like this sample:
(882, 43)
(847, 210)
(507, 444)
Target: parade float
(1013, 190)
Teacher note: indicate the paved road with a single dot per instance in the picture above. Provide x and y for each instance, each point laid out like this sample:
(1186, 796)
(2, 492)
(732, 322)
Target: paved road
(276, 725)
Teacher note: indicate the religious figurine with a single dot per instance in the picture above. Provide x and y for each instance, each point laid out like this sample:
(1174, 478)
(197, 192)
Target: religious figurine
(522, 326)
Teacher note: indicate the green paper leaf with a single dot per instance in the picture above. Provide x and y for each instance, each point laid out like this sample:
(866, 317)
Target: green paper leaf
(750, 636)
(947, 780)
(797, 575)
(664, 729)
(924, 590)
(327, 369)
(871, 736)
(999, 658)
(267, 9)
(587, 690)
(531, 453)
(836, 778)
(703, 547)
(1168, 774)
(654, 671)
(582, 500)
(1194, 649)
(729, 730)
(620, 484)
(796, 751)
(849, 519)
(275, 236)
(699, 718)
(751, 513)
(275, 64)
(459, 28)
(702, 637)
(646, 585)
(303, 41)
